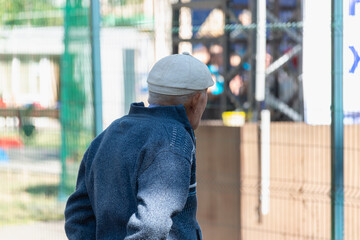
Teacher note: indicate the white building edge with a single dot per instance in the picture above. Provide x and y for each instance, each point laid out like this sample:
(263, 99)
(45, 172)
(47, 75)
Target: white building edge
(30, 57)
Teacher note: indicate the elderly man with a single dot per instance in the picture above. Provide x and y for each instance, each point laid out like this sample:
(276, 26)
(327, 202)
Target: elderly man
(137, 179)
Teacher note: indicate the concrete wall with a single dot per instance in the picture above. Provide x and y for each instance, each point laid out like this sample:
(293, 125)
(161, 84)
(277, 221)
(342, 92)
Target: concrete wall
(300, 177)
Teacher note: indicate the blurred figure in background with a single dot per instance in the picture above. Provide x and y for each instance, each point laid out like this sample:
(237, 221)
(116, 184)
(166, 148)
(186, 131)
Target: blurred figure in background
(237, 85)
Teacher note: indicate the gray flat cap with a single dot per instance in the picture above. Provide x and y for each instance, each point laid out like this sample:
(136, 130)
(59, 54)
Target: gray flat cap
(179, 74)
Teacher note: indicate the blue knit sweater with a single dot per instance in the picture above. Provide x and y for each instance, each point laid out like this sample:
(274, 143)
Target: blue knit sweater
(137, 180)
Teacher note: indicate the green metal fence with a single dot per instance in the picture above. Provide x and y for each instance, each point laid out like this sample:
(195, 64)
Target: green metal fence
(76, 112)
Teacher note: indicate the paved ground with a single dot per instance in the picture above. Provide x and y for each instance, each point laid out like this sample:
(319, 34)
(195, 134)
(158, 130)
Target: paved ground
(35, 231)
(36, 160)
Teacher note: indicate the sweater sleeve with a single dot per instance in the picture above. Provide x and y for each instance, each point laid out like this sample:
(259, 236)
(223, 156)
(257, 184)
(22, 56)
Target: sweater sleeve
(162, 192)
(79, 216)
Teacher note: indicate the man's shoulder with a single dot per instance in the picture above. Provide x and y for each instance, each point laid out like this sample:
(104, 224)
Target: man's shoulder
(158, 130)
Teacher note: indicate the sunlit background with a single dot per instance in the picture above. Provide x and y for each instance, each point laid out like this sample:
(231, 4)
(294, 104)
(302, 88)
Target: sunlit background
(278, 150)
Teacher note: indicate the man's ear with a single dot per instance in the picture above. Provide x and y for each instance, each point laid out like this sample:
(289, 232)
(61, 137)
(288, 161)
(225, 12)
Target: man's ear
(194, 101)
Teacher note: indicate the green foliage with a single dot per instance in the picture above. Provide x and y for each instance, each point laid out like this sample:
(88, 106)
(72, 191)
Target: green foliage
(124, 2)
(30, 12)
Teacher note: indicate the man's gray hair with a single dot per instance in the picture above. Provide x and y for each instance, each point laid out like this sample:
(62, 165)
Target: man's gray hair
(161, 99)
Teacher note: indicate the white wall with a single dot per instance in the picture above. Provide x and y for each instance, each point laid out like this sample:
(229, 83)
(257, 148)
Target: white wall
(113, 42)
(317, 61)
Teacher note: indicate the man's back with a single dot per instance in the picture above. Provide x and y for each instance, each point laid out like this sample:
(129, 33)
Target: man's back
(137, 180)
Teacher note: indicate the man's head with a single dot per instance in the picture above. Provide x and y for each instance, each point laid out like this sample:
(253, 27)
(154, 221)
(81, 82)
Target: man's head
(180, 79)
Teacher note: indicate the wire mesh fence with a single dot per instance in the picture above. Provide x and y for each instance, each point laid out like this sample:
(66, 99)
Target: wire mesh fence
(47, 111)
(298, 197)
(30, 130)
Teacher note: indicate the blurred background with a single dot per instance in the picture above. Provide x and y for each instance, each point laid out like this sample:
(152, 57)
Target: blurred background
(279, 146)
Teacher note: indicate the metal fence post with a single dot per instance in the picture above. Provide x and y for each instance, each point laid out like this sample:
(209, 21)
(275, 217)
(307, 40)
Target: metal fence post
(129, 77)
(96, 64)
(337, 128)
(76, 96)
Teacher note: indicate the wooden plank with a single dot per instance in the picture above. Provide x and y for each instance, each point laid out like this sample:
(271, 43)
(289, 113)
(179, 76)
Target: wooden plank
(17, 112)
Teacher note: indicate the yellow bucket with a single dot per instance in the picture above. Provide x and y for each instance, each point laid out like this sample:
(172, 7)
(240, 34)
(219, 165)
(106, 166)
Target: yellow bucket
(233, 119)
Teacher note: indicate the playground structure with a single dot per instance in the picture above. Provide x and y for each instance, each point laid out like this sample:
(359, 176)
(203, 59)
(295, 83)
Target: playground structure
(227, 31)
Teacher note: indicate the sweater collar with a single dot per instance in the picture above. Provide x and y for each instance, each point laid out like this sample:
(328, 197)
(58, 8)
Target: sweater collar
(177, 113)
